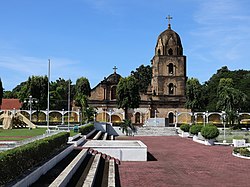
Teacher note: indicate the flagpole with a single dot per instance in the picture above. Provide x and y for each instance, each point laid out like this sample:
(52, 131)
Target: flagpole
(69, 105)
(48, 96)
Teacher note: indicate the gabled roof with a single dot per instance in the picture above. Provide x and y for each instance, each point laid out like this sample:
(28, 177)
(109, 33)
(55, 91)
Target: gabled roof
(10, 104)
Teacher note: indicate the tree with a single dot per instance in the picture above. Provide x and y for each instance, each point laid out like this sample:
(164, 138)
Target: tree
(37, 87)
(1, 91)
(128, 95)
(230, 99)
(143, 75)
(193, 95)
(59, 92)
(83, 91)
(7, 94)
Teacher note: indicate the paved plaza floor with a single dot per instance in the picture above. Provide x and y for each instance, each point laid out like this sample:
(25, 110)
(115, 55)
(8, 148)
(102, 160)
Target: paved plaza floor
(177, 161)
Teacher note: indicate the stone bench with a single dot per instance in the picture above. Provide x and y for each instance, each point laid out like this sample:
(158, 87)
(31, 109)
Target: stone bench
(112, 137)
(97, 135)
(89, 181)
(111, 174)
(69, 171)
(105, 136)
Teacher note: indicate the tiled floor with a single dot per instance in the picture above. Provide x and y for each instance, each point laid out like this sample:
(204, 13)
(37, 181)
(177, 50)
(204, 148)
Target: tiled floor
(182, 162)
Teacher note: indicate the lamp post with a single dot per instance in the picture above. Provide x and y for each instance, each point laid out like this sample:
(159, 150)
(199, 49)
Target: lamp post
(155, 118)
(176, 118)
(30, 101)
(62, 116)
(224, 124)
(110, 113)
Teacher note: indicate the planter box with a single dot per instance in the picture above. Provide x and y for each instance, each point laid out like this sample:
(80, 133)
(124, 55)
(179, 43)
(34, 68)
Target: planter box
(184, 134)
(239, 143)
(209, 142)
(195, 137)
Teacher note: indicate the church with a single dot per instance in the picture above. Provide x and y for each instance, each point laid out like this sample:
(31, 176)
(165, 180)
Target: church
(165, 96)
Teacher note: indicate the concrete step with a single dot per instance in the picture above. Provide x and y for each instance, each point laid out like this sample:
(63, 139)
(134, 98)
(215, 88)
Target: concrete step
(155, 131)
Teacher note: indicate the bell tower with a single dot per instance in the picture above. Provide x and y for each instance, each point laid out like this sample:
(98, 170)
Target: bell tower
(168, 65)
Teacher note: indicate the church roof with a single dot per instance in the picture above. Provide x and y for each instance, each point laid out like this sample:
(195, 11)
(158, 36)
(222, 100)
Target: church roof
(112, 79)
(169, 33)
(10, 104)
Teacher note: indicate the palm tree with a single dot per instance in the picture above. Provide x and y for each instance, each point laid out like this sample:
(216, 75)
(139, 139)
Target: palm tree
(229, 99)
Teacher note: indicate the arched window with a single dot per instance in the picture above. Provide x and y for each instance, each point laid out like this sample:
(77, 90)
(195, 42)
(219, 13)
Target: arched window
(171, 69)
(170, 51)
(171, 117)
(137, 117)
(171, 89)
(113, 93)
(159, 52)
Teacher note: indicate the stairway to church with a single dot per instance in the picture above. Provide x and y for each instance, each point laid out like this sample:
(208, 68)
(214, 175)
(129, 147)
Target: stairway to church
(156, 131)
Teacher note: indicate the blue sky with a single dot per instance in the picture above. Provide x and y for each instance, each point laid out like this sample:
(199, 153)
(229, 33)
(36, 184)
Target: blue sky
(89, 37)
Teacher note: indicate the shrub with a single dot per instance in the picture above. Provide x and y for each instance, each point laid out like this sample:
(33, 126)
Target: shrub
(210, 132)
(242, 151)
(15, 161)
(185, 127)
(86, 128)
(195, 129)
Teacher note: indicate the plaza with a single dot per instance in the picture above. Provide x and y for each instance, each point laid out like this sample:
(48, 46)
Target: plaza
(176, 161)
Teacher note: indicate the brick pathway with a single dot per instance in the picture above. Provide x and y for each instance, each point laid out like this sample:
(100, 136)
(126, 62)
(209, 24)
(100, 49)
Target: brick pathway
(182, 162)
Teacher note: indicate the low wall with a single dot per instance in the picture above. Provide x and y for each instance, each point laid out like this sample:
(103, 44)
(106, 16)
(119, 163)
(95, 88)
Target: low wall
(124, 150)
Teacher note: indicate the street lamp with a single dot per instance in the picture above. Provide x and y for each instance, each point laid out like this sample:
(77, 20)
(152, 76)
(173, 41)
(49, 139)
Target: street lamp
(224, 124)
(110, 112)
(30, 101)
(155, 118)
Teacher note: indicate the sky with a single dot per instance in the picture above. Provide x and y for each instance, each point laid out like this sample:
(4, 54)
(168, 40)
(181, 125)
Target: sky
(87, 38)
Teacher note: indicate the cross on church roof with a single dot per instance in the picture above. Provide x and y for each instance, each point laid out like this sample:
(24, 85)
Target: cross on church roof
(115, 68)
(169, 19)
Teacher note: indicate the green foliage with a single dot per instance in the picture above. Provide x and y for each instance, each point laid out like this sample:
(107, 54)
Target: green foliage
(210, 132)
(193, 95)
(242, 151)
(143, 76)
(241, 81)
(185, 127)
(195, 129)
(88, 114)
(128, 95)
(230, 99)
(82, 87)
(86, 129)
(16, 161)
(7, 94)
(59, 93)
(126, 124)
(1, 91)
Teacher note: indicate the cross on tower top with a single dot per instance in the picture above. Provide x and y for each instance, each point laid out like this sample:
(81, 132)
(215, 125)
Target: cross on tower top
(115, 68)
(169, 19)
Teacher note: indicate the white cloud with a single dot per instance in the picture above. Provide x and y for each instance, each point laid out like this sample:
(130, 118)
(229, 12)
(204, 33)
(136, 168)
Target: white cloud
(221, 30)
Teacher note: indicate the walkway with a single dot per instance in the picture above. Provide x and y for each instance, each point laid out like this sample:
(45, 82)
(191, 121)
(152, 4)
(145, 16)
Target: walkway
(182, 162)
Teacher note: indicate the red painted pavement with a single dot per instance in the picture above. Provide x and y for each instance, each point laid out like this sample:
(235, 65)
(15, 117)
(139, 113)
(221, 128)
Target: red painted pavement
(182, 162)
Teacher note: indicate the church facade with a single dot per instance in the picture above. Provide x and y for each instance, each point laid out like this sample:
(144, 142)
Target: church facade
(166, 94)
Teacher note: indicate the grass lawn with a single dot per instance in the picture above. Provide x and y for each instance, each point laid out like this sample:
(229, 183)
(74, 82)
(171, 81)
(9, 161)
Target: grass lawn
(233, 134)
(20, 134)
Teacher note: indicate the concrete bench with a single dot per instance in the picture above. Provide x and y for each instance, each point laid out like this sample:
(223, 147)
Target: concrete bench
(105, 136)
(69, 171)
(89, 181)
(97, 135)
(111, 174)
